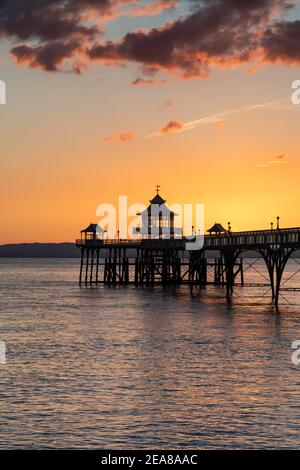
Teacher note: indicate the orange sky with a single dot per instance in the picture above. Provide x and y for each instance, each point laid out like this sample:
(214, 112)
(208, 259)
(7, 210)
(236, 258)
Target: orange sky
(61, 154)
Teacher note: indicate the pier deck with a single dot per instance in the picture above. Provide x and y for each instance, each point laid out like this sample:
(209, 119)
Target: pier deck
(152, 261)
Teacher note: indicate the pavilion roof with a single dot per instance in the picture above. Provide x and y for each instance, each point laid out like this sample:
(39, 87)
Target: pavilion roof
(217, 228)
(157, 200)
(93, 228)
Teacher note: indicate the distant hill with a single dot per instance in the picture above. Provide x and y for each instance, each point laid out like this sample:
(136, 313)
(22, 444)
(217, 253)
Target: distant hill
(39, 250)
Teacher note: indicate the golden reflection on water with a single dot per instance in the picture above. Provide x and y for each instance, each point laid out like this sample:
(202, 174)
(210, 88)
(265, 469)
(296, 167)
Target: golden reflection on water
(142, 368)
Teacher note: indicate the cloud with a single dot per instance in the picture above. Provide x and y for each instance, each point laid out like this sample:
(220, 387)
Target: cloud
(218, 34)
(139, 81)
(281, 42)
(280, 159)
(214, 34)
(48, 56)
(177, 126)
(123, 137)
(270, 105)
(41, 27)
(171, 127)
(218, 119)
(46, 20)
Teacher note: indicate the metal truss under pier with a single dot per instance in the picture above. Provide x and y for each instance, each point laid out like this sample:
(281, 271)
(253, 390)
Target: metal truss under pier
(167, 262)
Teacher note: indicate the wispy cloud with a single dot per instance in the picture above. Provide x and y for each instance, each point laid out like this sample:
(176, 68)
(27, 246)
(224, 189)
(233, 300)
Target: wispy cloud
(279, 160)
(219, 118)
(122, 137)
(175, 126)
(271, 105)
(139, 81)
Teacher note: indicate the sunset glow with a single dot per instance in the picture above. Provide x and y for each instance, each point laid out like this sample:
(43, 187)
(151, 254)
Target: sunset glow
(113, 114)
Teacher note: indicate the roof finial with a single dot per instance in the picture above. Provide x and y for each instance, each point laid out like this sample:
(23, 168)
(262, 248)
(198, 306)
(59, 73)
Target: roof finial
(157, 188)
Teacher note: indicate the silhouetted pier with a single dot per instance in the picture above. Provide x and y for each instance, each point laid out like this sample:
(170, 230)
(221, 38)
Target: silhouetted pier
(159, 254)
(167, 262)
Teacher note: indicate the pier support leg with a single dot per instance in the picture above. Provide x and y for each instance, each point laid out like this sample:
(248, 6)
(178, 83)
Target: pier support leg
(137, 268)
(81, 265)
(197, 268)
(268, 256)
(218, 274)
(230, 256)
(87, 266)
(97, 267)
(276, 258)
(242, 272)
(92, 266)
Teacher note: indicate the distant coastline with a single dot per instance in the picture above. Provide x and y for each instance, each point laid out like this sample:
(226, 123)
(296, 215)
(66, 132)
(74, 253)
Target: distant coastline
(65, 250)
(39, 250)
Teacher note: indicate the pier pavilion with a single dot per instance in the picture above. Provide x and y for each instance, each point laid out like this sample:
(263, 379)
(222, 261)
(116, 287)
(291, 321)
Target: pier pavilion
(92, 232)
(157, 221)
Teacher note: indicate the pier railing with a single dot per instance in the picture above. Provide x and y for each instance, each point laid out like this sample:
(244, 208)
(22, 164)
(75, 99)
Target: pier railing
(287, 237)
(114, 242)
(89, 242)
(248, 239)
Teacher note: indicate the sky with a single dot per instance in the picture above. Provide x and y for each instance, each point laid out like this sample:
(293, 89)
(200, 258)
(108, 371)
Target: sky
(112, 97)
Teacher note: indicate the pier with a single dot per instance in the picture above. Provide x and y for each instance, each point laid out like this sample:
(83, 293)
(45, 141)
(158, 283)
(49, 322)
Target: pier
(166, 261)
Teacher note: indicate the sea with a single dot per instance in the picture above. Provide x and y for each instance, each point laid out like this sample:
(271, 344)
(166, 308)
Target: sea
(146, 368)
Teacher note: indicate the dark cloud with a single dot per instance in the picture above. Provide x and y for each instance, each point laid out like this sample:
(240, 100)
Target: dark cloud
(48, 56)
(52, 28)
(219, 33)
(45, 19)
(282, 42)
(216, 34)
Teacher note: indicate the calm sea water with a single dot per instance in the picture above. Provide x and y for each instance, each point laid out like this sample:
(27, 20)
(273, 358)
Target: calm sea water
(128, 368)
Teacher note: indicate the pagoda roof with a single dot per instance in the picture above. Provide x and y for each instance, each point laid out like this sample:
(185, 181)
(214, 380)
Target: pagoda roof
(163, 208)
(93, 228)
(217, 228)
(157, 200)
